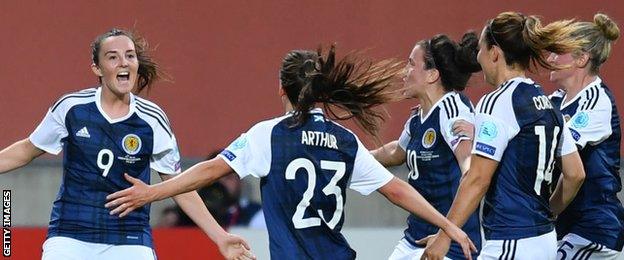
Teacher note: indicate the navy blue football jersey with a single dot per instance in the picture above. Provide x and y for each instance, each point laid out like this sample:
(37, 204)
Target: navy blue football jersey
(596, 213)
(517, 126)
(98, 150)
(305, 171)
(429, 142)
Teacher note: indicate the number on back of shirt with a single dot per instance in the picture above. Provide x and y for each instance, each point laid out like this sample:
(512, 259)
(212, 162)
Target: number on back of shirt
(331, 188)
(546, 161)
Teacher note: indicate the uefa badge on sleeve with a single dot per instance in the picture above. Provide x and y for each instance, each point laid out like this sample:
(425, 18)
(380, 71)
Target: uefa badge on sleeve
(581, 120)
(488, 131)
(131, 144)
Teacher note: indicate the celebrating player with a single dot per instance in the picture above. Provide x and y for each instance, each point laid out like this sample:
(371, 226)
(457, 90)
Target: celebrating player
(592, 226)
(518, 138)
(105, 132)
(306, 161)
(438, 69)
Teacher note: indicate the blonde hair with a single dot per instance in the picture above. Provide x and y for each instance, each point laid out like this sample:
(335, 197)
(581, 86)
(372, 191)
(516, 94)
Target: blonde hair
(599, 35)
(523, 39)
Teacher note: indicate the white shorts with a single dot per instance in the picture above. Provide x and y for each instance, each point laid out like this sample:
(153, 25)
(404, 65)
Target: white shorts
(539, 247)
(406, 251)
(65, 248)
(573, 246)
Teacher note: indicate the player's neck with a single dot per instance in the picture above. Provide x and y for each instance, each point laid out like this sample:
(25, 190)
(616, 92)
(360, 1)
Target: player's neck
(508, 73)
(430, 97)
(115, 106)
(576, 84)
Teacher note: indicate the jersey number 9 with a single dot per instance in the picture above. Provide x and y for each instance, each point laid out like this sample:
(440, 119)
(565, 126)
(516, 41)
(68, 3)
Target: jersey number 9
(108, 154)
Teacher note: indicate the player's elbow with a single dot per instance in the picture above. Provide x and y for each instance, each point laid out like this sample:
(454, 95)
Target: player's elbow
(577, 176)
(396, 190)
(474, 179)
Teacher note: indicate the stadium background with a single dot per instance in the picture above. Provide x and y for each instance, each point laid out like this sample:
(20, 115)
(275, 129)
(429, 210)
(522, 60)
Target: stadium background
(223, 57)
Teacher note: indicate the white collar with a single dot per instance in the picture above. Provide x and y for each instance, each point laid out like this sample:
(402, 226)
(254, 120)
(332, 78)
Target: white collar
(98, 103)
(597, 82)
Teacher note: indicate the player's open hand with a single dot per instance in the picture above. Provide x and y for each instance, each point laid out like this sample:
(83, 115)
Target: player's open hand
(463, 128)
(233, 247)
(125, 201)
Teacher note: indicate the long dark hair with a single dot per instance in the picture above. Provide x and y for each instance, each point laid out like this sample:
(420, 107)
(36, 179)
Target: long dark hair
(352, 84)
(455, 62)
(149, 71)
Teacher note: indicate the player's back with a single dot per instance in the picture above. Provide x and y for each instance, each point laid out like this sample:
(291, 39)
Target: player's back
(517, 202)
(304, 193)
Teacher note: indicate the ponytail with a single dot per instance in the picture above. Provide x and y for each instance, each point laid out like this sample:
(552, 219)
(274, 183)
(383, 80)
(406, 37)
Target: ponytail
(351, 84)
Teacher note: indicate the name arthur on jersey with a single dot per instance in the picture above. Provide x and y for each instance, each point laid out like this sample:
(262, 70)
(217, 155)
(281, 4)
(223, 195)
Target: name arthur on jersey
(317, 138)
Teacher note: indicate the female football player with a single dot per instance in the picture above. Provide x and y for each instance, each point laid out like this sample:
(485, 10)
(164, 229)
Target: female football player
(592, 226)
(437, 71)
(105, 132)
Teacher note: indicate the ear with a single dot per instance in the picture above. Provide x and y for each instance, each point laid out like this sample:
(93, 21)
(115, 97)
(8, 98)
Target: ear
(496, 53)
(432, 75)
(96, 70)
(583, 60)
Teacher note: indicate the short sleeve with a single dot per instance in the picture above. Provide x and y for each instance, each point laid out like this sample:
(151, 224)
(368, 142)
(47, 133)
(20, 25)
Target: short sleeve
(492, 135)
(250, 154)
(405, 134)
(447, 121)
(368, 174)
(592, 126)
(48, 135)
(166, 158)
(566, 143)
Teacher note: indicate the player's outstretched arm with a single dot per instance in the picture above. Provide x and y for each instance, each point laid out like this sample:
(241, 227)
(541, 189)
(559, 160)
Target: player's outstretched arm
(230, 246)
(404, 196)
(18, 154)
(572, 177)
(391, 154)
(201, 174)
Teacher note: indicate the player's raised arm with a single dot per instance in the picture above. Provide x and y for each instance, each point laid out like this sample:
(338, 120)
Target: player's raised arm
(17, 155)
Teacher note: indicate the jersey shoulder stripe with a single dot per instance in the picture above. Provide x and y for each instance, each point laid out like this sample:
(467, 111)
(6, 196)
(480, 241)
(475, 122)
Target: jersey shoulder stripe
(488, 105)
(157, 118)
(154, 108)
(86, 93)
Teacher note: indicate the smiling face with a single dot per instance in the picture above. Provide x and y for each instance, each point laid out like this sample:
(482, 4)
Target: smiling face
(415, 78)
(118, 65)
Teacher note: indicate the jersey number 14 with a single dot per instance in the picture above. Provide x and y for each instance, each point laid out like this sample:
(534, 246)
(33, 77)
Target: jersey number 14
(544, 169)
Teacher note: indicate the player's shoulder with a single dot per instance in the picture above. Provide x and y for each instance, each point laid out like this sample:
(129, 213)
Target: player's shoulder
(596, 96)
(499, 99)
(71, 99)
(152, 114)
(267, 125)
(453, 105)
(145, 105)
